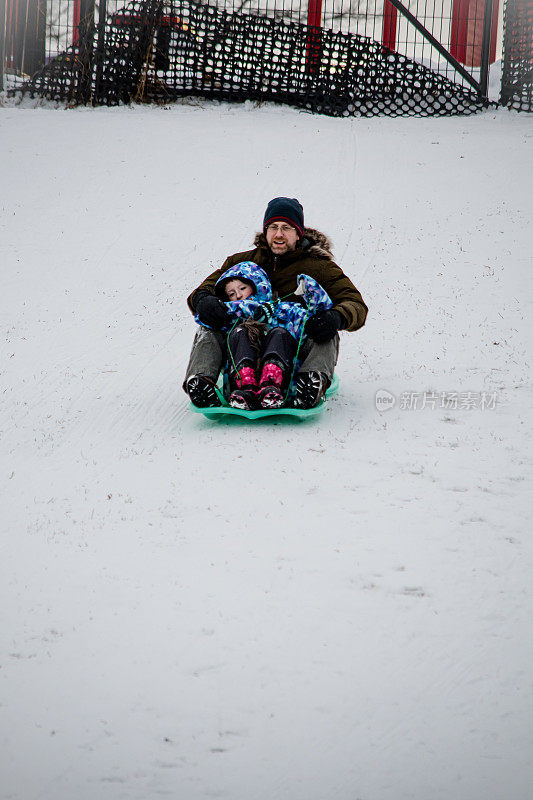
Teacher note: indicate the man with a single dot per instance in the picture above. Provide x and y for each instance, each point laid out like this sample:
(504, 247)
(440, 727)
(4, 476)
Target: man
(284, 249)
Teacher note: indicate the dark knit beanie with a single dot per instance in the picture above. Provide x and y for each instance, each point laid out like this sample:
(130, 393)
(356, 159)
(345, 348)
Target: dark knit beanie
(286, 209)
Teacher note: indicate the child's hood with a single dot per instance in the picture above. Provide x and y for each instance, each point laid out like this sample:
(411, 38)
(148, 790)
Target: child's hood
(248, 271)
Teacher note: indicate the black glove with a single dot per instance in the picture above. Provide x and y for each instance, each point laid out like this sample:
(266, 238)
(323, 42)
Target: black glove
(324, 325)
(212, 311)
(264, 312)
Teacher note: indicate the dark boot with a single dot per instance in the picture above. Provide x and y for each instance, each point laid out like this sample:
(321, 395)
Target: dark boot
(201, 391)
(310, 389)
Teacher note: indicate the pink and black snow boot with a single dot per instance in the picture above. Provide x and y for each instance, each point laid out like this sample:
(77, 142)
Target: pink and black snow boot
(270, 394)
(244, 395)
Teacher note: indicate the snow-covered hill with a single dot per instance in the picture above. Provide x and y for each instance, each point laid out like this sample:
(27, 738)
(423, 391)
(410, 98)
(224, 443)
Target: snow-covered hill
(340, 609)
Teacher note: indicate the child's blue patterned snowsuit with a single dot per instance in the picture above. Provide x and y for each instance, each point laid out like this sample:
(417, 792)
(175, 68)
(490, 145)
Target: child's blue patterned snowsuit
(261, 307)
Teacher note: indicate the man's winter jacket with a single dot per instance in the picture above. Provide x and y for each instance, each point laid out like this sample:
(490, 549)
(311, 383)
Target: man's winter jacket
(314, 258)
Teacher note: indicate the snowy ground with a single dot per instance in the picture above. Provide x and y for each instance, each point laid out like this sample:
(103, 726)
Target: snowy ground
(340, 609)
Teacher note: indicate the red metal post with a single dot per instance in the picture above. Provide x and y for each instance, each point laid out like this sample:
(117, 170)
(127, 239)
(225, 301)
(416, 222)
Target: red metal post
(467, 31)
(494, 30)
(459, 29)
(76, 17)
(24, 32)
(314, 37)
(390, 14)
(314, 13)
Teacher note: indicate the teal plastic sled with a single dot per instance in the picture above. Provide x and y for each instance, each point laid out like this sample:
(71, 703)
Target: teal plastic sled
(224, 410)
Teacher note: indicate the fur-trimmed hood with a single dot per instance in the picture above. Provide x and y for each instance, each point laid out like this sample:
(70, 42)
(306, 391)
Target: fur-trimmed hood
(314, 244)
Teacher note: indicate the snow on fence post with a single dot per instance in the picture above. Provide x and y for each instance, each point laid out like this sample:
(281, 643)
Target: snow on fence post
(314, 37)
(390, 14)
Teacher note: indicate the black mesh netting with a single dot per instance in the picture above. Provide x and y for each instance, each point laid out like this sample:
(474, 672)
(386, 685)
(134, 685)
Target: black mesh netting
(147, 53)
(517, 70)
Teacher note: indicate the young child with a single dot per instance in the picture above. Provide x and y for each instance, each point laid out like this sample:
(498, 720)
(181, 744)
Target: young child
(264, 334)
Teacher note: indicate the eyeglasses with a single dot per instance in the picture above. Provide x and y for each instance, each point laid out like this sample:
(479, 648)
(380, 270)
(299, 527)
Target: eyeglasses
(281, 228)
